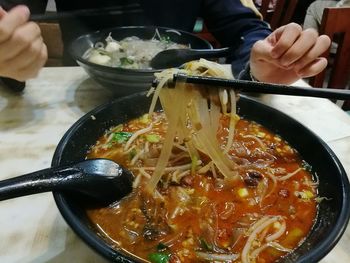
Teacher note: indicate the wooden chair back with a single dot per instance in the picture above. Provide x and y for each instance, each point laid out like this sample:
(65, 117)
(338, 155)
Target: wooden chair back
(281, 14)
(265, 9)
(52, 37)
(336, 24)
(202, 31)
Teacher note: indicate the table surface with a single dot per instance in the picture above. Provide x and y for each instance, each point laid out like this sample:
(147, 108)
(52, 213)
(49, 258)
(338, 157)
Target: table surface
(31, 125)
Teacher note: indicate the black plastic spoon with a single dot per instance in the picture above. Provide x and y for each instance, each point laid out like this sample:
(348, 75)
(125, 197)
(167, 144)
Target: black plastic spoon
(99, 179)
(176, 57)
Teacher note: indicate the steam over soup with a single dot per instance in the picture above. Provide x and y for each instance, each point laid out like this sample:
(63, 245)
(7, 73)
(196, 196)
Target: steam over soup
(130, 52)
(209, 186)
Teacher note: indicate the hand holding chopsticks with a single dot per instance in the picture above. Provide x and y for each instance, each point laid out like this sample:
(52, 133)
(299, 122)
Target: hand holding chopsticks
(30, 48)
(22, 52)
(263, 88)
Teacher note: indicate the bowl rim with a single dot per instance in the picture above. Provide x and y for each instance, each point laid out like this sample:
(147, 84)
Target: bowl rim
(125, 70)
(96, 243)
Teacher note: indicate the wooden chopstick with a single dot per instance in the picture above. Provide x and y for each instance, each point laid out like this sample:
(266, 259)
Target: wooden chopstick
(113, 10)
(264, 88)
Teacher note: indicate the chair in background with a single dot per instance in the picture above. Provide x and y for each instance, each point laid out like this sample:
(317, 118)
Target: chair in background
(266, 9)
(281, 14)
(201, 30)
(336, 24)
(52, 37)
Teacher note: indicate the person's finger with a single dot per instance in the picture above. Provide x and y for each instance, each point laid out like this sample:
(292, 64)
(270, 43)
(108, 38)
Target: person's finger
(13, 19)
(300, 47)
(27, 63)
(2, 12)
(261, 51)
(21, 39)
(26, 56)
(285, 39)
(322, 44)
(33, 68)
(313, 68)
(274, 36)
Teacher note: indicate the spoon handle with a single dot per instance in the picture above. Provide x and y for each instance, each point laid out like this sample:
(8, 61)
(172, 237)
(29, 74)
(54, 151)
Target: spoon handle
(176, 57)
(38, 182)
(193, 54)
(206, 53)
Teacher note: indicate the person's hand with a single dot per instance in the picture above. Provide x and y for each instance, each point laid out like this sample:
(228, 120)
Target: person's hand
(288, 54)
(22, 50)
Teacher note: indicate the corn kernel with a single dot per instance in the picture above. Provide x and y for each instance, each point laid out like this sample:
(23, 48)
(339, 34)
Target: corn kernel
(243, 192)
(306, 194)
(309, 194)
(261, 134)
(277, 139)
(286, 147)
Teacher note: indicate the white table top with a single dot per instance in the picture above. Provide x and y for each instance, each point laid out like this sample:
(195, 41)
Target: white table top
(31, 125)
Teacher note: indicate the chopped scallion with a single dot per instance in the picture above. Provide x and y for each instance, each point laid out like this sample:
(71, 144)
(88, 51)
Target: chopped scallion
(205, 245)
(194, 164)
(126, 61)
(121, 137)
(152, 137)
(159, 257)
(145, 118)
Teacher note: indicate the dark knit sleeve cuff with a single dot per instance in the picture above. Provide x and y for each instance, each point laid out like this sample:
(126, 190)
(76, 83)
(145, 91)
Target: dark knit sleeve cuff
(245, 74)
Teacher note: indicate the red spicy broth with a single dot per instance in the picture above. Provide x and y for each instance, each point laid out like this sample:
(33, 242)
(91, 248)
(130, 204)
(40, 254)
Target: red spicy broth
(195, 214)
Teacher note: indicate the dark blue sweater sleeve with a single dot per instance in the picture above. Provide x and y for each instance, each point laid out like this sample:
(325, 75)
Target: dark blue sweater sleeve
(234, 24)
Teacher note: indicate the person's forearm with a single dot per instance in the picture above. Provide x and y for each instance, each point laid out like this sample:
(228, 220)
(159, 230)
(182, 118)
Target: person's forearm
(236, 25)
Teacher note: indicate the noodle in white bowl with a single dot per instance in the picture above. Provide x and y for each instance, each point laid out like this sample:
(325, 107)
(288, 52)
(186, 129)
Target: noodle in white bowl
(131, 52)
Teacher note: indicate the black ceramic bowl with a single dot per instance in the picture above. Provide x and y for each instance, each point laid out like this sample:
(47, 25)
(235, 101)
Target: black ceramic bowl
(127, 81)
(332, 217)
